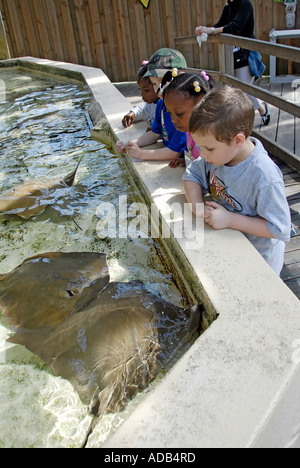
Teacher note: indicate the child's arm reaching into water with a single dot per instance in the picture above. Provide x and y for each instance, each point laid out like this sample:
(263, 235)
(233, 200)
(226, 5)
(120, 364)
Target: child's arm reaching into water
(160, 154)
(147, 139)
(134, 149)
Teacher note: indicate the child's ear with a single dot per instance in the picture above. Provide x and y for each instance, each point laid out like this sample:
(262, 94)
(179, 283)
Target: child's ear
(240, 139)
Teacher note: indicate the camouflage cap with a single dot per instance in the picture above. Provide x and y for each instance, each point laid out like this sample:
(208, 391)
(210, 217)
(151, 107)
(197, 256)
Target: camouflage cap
(163, 60)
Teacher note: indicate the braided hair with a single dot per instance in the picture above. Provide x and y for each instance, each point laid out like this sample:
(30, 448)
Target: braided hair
(190, 84)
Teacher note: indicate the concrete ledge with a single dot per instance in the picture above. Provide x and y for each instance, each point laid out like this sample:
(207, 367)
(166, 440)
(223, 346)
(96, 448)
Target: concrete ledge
(239, 382)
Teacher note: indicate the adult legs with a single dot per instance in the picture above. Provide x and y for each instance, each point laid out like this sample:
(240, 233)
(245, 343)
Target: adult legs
(243, 74)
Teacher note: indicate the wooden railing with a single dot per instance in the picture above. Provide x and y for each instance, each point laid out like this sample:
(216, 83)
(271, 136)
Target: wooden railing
(225, 43)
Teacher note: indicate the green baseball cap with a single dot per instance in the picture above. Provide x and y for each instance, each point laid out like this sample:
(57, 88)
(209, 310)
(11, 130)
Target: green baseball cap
(163, 60)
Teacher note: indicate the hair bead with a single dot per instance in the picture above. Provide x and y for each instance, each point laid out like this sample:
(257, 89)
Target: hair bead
(197, 86)
(205, 75)
(175, 72)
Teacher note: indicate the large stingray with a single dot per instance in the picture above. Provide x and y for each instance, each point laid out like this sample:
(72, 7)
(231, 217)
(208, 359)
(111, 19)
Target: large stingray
(33, 197)
(45, 289)
(111, 348)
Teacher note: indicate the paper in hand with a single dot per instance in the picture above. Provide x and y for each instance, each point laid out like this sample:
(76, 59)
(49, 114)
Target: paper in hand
(202, 38)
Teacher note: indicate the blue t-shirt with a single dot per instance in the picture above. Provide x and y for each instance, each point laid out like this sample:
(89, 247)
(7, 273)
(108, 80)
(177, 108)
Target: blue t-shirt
(163, 125)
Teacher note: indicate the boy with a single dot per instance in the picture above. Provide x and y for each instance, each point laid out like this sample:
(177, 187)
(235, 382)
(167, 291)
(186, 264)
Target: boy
(246, 186)
(146, 110)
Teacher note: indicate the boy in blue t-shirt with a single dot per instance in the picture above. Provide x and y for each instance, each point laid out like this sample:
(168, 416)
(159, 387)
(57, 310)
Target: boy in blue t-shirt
(174, 141)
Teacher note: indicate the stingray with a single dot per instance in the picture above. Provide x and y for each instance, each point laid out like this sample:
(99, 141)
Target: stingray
(45, 289)
(33, 197)
(115, 345)
(110, 340)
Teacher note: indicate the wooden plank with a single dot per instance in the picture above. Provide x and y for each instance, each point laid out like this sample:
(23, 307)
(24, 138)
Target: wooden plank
(278, 50)
(297, 121)
(134, 23)
(264, 24)
(291, 272)
(4, 38)
(119, 44)
(96, 42)
(203, 53)
(294, 286)
(115, 49)
(28, 28)
(16, 30)
(282, 153)
(170, 24)
(154, 27)
(293, 257)
(140, 25)
(54, 30)
(210, 20)
(41, 29)
(126, 39)
(106, 64)
(270, 130)
(285, 131)
(83, 31)
(293, 244)
(68, 32)
(217, 8)
(265, 95)
(279, 24)
(183, 16)
(263, 19)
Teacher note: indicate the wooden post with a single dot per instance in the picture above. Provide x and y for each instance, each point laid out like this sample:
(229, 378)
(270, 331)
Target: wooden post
(4, 50)
(226, 59)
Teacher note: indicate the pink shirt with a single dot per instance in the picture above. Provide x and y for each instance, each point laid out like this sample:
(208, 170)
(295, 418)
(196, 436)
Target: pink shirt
(192, 148)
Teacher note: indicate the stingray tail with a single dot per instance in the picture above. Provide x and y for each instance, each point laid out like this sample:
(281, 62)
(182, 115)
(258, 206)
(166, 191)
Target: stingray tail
(69, 179)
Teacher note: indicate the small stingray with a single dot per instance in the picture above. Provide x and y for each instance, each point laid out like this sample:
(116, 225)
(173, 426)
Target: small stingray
(32, 198)
(115, 345)
(45, 289)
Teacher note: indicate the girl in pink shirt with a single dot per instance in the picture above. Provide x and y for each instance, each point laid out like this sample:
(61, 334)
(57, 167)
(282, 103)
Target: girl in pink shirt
(180, 97)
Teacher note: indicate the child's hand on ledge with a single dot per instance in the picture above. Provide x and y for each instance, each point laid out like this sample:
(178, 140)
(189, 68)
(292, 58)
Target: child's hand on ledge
(177, 162)
(216, 216)
(121, 147)
(128, 119)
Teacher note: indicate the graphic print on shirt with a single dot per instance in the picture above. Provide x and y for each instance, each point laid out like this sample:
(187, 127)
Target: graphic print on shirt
(164, 130)
(219, 193)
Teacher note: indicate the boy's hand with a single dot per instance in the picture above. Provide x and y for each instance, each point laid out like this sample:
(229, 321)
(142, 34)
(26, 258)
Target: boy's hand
(128, 119)
(216, 215)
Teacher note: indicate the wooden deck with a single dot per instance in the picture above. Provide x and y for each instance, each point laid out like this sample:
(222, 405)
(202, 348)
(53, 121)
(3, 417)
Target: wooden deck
(284, 129)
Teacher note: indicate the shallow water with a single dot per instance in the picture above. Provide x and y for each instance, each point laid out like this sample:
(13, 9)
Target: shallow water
(45, 131)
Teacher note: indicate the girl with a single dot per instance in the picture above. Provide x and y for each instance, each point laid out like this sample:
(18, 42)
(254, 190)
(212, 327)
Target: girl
(180, 97)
